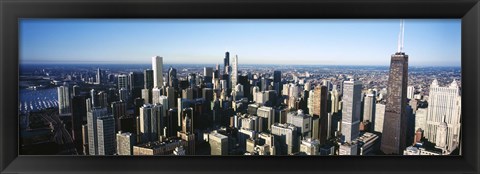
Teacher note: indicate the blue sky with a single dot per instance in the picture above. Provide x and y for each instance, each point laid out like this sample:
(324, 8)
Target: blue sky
(255, 41)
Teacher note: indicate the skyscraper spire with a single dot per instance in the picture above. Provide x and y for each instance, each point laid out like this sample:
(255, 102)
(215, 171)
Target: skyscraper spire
(400, 37)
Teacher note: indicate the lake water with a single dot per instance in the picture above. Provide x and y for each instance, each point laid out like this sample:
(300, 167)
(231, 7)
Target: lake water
(33, 100)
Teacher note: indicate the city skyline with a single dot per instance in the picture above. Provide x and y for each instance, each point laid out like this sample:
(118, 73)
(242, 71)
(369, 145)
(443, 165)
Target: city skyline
(292, 42)
(276, 110)
(268, 116)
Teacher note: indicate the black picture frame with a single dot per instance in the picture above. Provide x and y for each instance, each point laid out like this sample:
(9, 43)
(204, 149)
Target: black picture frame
(11, 11)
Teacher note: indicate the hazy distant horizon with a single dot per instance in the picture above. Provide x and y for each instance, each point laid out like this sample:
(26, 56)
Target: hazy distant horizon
(221, 66)
(428, 42)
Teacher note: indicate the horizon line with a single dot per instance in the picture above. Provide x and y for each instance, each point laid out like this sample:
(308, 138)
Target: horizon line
(112, 63)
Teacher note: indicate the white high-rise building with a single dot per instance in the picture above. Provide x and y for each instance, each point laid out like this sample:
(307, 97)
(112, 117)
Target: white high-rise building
(421, 118)
(125, 143)
(352, 91)
(63, 100)
(92, 117)
(156, 93)
(444, 103)
(150, 122)
(369, 106)
(234, 75)
(379, 115)
(146, 96)
(106, 135)
(410, 92)
(157, 67)
(311, 96)
(335, 98)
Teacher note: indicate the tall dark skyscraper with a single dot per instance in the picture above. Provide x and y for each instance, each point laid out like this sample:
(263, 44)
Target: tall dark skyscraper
(277, 81)
(395, 120)
(320, 111)
(148, 79)
(226, 62)
(137, 81)
(277, 76)
(79, 112)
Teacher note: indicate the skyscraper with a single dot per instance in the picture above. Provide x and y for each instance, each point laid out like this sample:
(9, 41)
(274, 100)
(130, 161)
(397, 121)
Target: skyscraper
(395, 120)
(123, 94)
(125, 143)
(320, 111)
(172, 77)
(277, 80)
(170, 96)
(163, 100)
(444, 107)
(156, 93)
(157, 67)
(63, 100)
(410, 92)
(85, 140)
(76, 90)
(379, 117)
(335, 98)
(226, 63)
(119, 109)
(99, 76)
(369, 107)
(122, 81)
(79, 111)
(148, 79)
(208, 74)
(92, 117)
(103, 99)
(106, 135)
(234, 75)
(352, 91)
(136, 83)
(320, 101)
(421, 118)
(150, 117)
(147, 95)
(218, 143)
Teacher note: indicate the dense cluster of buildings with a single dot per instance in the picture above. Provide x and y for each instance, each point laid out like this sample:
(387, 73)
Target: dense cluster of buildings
(230, 112)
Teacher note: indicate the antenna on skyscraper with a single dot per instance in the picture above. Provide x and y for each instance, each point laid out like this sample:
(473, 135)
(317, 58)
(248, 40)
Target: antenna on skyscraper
(400, 37)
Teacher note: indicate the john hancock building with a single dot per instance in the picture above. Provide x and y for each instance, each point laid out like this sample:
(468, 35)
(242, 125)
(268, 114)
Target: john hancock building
(217, 105)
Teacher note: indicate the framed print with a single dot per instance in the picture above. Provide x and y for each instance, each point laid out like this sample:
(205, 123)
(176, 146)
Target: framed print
(246, 87)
